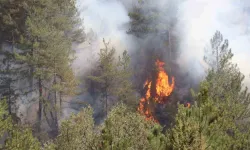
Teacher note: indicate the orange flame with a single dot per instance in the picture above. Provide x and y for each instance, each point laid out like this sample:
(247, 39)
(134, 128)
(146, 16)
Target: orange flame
(163, 89)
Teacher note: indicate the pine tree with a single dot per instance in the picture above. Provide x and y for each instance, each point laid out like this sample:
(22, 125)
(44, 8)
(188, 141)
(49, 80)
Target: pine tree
(147, 18)
(12, 25)
(227, 89)
(78, 132)
(14, 136)
(217, 120)
(124, 129)
(125, 91)
(143, 19)
(156, 138)
(201, 126)
(52, 26)
(185, 134)
(113, 78)
(107, 73)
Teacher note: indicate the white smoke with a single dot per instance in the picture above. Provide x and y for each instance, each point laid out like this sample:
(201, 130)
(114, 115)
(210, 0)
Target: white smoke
(198, 21)
(102, 19)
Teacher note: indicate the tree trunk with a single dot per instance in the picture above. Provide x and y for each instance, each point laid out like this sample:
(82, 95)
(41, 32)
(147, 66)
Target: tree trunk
(32, 69)
(40, 104)
(106, 101)
(60, 97)
(9, 97)
(55, 124)
(9, 74)
(106, 96)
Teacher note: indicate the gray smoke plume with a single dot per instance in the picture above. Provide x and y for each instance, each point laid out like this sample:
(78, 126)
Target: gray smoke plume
(198, 21)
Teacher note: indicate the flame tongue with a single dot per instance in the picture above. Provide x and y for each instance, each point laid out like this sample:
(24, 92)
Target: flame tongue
(163, 89)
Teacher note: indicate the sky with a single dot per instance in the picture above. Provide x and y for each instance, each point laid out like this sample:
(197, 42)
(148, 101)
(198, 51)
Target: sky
(199, 19)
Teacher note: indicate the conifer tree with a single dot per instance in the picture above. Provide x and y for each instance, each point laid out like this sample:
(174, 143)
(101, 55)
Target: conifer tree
(219, 114)
(124, 129)
(52, 26)
(78, 132)
(125, 91)
(226, 88)
(12, 25)
(14, 136)
(107, 74)
(40, 34)
(147, 17)
(114, 78)
(185, 133)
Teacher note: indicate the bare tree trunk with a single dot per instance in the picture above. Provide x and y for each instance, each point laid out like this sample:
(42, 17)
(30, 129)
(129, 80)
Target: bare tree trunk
(9, 96)
(9, 75)
(217, 59)
(55, 125)
(106, 96)
(60, 97)
(40, 104)
(106, 101)
(32, 68)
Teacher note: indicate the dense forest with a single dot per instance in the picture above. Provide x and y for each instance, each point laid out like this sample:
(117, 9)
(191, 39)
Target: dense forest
(145, 101)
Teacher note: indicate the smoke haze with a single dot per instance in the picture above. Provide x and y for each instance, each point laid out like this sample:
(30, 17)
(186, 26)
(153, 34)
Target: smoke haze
(102, 19)
(197, 22)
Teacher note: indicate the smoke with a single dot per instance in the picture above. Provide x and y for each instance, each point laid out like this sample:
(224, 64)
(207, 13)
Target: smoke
(106, 19)
(102, 19)
(198, 21)
(191, 24)
(195, 22)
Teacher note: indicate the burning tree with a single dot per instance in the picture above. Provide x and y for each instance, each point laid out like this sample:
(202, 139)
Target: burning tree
(156, 91)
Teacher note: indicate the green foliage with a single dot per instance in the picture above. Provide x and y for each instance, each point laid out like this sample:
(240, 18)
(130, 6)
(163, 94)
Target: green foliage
(51, 51)
(226, 88)
(21, 139)
(49, 146)
(78, 132)
(14, 136)
(156, 138)
(114, 77)
(106, 74)
(143, 20)
(125, 89)
(219, 119)
(40, 34)
(12, 14)
(124, 129)
(185, 134)
(5, 120)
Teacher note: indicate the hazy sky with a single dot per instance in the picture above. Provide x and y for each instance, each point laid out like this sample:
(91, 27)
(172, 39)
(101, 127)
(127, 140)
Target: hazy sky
(199, 19)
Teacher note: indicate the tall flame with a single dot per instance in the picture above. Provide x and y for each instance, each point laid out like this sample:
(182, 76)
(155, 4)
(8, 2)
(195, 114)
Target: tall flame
(163, 89)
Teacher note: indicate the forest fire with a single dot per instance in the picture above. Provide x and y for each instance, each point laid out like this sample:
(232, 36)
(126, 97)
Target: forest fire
(162, 89)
